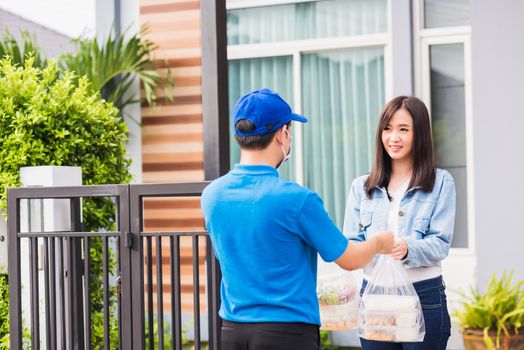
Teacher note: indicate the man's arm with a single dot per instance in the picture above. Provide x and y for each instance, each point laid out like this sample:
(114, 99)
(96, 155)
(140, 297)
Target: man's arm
(357, 255)
(320, 232)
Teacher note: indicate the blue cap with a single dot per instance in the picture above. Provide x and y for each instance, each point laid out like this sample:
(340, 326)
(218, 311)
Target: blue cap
(266, 110)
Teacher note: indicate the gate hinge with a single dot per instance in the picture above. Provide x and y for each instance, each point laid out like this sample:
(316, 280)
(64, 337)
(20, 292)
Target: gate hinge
(128, 240)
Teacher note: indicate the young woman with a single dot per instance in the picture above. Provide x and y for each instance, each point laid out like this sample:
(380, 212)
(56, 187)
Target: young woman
(406, 194)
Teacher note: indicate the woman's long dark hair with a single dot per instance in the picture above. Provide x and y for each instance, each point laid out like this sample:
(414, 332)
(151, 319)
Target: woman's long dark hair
(422, 152)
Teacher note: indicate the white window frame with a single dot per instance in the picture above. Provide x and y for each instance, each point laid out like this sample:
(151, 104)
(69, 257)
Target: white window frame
(296, 48)
(424, 38)
(241, 4)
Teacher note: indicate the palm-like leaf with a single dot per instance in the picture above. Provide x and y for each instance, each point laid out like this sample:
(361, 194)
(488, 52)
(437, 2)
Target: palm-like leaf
(20, 50)
(112, 66)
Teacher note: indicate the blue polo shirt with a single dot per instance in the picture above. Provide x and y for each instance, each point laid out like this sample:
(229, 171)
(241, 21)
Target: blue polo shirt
(266, 233)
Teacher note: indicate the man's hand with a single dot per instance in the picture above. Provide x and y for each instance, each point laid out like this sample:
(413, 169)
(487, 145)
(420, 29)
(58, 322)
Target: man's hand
(359, 254)
(385, 242)
(400, 249)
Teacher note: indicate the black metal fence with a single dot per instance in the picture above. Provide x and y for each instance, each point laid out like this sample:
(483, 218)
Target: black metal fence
(63, 288)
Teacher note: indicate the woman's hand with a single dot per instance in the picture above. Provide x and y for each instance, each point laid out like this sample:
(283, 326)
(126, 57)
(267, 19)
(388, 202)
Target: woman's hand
(400, 249)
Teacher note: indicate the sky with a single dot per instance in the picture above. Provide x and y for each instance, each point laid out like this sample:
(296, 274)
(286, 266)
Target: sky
(70, 17)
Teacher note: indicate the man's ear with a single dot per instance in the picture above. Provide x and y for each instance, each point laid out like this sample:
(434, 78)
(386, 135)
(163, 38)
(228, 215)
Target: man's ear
(279, 133)
(288, 131)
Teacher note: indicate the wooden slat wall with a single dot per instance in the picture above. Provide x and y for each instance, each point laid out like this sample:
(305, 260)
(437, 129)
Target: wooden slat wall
(172, 144)
(172, 136)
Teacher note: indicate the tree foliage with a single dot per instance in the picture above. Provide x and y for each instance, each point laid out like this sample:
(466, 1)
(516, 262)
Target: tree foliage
(47, 119)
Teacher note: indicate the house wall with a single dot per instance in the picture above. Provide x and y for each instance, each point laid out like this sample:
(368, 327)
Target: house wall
(498, 124)
(400, 27)
(52, 43)
(172, 142)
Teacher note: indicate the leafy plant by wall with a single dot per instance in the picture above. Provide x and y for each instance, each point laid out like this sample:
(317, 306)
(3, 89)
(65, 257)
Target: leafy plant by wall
(111, 66)
(20, 50)
(45, 119)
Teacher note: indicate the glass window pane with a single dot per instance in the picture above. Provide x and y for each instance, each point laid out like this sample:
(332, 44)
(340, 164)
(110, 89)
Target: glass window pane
(446, 13)
(275, 73)
(342, 94)
(308, 20)
(449, 125)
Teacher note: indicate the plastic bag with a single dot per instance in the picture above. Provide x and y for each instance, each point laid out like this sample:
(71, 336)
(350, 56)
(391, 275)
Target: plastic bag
(338, 297)
(390, 309)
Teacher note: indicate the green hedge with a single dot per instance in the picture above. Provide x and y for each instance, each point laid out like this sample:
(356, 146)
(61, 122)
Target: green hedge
(4, 313)
(45, 119)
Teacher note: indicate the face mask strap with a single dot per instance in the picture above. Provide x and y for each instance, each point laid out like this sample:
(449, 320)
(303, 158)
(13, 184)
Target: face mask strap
(286, 156)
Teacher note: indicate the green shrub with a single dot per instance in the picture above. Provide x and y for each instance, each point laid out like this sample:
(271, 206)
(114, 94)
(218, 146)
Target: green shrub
(45, 119)
(4, 313)
(4, 318)
(325, 341)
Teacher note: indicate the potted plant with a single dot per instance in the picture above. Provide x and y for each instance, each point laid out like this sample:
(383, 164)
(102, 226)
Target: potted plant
(493, 320)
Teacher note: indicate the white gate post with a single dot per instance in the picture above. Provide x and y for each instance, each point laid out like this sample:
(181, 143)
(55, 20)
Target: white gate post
(47, 215)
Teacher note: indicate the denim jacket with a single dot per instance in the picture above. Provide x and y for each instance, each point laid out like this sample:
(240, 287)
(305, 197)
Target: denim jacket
(426, 219)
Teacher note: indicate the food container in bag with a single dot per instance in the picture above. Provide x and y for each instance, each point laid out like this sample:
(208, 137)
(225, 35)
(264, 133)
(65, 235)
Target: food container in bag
(390, 308)
(337, 297)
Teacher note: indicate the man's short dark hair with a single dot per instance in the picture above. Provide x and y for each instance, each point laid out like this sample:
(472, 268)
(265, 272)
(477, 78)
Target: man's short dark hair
(254, 142)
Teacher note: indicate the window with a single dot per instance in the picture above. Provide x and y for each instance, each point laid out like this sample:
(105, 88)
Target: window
(327, 59)
(444, 84)
(446, 13)
(306, 20)
(448, 111)
(342, 94)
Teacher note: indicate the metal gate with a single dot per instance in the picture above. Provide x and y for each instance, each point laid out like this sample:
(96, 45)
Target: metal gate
(58, 265)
